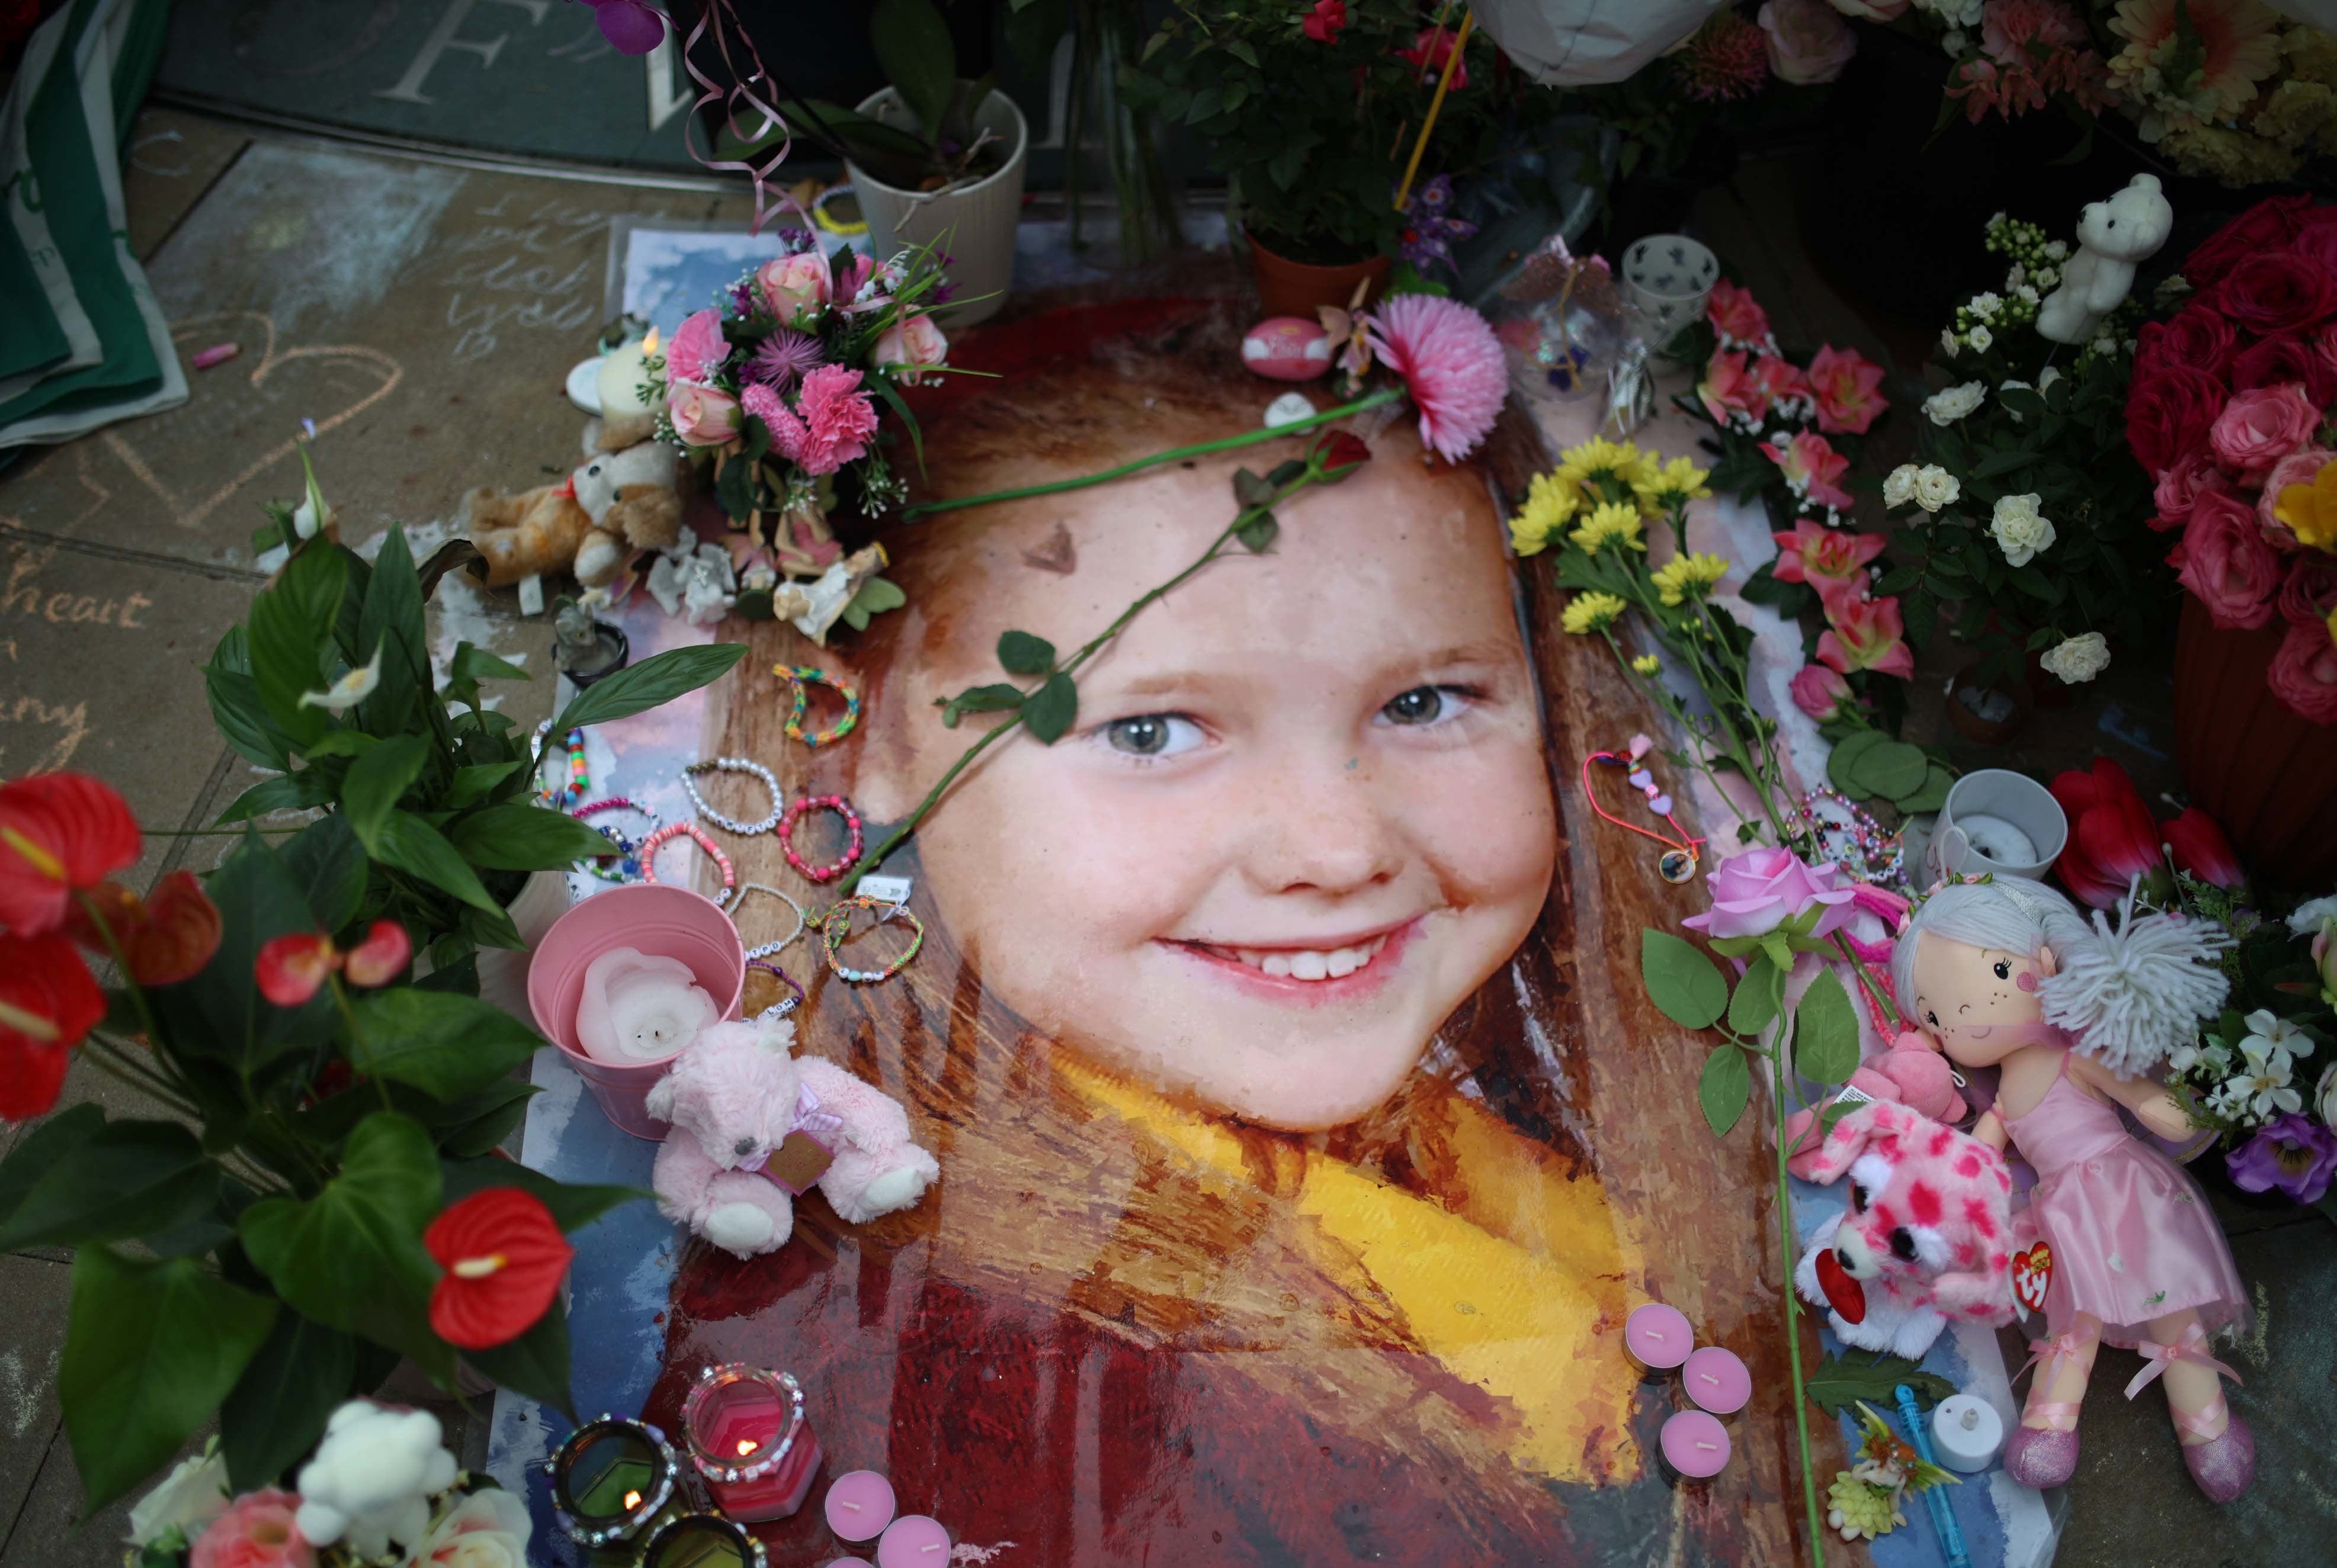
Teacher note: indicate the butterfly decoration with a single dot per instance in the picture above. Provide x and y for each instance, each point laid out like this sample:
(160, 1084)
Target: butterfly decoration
(1350, 328)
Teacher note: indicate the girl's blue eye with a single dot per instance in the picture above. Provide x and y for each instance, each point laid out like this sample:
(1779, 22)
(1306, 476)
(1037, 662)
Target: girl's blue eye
(1426, 705)
(1153, 735)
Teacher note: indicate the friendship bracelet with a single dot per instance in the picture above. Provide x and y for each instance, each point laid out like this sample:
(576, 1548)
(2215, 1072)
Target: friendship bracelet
(1677, 862)
(697, 835)
(733, 765)
(580, 773)
(836, 803)
(803, 678)
(835, 926)
(626, 852)
(768, 948)
(1874, 854)
(778, 1009)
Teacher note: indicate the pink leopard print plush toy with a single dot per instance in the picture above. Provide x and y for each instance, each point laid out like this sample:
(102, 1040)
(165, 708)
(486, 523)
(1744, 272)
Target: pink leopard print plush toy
(1927, 1236)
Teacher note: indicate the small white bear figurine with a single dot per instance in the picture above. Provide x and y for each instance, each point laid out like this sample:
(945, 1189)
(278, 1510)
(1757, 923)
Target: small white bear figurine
(2113, 237)
(372, 1478)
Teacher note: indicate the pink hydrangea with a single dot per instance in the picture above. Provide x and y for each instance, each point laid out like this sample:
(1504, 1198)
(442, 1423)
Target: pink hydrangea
(697, 348)
(830, 426)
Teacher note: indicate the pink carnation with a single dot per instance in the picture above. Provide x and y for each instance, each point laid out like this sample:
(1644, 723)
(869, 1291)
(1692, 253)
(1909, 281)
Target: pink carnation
(1451, 364)
(831, 422)
(697, 349)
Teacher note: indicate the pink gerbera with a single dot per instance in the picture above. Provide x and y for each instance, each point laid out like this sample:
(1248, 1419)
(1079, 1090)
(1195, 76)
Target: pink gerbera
(1451, 364)
(830, 424)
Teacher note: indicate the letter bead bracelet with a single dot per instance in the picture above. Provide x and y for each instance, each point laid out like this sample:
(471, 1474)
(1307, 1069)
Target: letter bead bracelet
(835, 926)
(733, 765)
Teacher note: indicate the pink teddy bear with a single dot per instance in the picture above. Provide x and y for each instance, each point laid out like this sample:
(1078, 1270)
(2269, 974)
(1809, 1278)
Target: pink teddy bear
(1912, 1074)
(733, 1097)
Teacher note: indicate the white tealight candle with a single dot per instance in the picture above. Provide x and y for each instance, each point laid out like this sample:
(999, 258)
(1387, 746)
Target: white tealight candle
(639, 1007)
(1966, 1432)
(622, 371)
(1998, 840)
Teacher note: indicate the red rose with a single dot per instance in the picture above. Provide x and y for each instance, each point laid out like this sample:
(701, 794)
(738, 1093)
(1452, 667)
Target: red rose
(2268, 223)
(2287, 356)
(2303, 673)
(2196, 339)
(2274, 291)
(2167, 415)
(2227, 562)
(2317, 246)
(2311, 591)
(2179, 488)
(2257, 429)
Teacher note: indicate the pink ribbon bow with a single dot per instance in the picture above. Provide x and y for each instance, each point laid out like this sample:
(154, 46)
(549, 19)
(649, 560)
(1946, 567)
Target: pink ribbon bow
(824, 1125)
(2189, 1346)
(2069, 1346)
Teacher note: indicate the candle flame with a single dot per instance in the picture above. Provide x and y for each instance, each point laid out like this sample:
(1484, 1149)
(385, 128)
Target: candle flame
(650, 343)
(745, 1445)
(632, 1501)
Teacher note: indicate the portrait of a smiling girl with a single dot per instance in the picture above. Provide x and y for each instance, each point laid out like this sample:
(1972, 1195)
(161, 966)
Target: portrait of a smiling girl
(1266, 1231)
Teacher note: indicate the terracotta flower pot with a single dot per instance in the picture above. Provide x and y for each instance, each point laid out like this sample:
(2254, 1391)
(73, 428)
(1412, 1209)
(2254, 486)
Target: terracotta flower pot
(2249, 761)
(1287, 288)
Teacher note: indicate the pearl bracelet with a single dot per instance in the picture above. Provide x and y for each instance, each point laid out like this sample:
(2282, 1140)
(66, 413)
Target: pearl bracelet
(732, 765)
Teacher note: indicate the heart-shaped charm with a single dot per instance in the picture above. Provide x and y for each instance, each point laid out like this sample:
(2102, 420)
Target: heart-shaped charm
(1843, 1293)
(2032, 1273)
(1640, 746)
(1642, 780)
(1661, 805)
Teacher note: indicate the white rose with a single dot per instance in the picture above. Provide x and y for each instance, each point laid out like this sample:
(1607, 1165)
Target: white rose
(190, 1497)
(2022, 531)
(1935, 487)
(1948, 344)
(2079, 658)
(2324, 1098)
(2104, 345)
(1947, 408)
(2306, 918)
(1953, 42)
(1979, 337)
(488, 1529)
(1899, 486)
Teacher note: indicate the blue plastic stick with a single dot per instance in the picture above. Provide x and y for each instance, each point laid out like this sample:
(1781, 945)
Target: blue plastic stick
(1943, 1518)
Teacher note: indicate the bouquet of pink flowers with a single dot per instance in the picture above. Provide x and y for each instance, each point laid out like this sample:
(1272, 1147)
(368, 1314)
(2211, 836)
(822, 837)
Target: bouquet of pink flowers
(2229, 412)
(781, 393)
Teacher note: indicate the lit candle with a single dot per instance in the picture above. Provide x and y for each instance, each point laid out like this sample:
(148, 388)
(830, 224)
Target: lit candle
(1716, 1380)
(623, 369)
(859, 1506)
(638, 1007)
(1695, 1446)
(612, 1482)
(702, 1541)
(914, 1541)
(1966, 1432)
(746, 1435)
(1658, 1337)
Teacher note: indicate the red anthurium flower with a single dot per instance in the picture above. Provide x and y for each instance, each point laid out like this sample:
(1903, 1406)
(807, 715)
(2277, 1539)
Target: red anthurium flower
(2200, 847)
(504, 1258)
(1829, 560)
(59, 833)
(382, 956)
(48, 1002)
(1323, 23)
(2112, 838)
(167, 937)
(1866, 634)
(290, 968)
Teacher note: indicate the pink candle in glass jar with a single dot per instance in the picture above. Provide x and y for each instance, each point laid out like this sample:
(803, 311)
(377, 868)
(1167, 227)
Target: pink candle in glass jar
(747, 1433)
(1695, 1446)
(1658, 1337)
(1715, 1380)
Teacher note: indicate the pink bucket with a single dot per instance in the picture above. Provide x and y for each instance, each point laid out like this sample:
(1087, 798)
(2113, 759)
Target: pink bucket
(673, 922)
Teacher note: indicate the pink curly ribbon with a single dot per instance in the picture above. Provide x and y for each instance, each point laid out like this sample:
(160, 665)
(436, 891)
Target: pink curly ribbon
(741, 93)
(2189, 1346)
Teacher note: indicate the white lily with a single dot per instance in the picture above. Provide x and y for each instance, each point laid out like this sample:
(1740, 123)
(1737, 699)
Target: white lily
(354, 687)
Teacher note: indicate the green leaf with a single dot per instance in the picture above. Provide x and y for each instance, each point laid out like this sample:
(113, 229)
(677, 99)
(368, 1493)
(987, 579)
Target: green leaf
(521, 837)
(341, 743)
(1257, 534)
(1842, 761)
(1754, 1005)
(478, 1124)
(377, 780)
(1053, 709)
(1241, 52)
(1249, 490)
(1931, 795)
(301, 792)
(735, 489)
(471, 664)
(994, 698)
(242, 717)
(876, 596)
(1889, 769)
(1778, 946)
(420, 850)
(289, 634)
(327, 865)
(393, 623)
(1685, 986)
(1825, 1031)
(352, 1256)
(36, 1151)
(220, 1011)
(913, 46)
(1840, 1381)
(447, 1047)
(571, 1204)
(1021, 653)
(124, 1179)
(1284, 471)
(637, 687)
(150, 1349)
(536, 1364)
(477, 783)
(276, 1410)
(1724, 1087)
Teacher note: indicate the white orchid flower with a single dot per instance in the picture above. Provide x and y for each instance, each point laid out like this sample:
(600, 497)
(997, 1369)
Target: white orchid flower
(353, 687)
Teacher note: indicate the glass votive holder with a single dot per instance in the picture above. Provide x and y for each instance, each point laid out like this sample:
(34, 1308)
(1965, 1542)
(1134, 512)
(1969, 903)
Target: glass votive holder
(746, 1432)
(613, 1482)
(701, 1541)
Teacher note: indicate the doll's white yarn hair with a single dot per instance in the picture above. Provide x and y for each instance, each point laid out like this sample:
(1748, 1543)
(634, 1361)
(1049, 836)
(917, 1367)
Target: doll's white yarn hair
(2129, 995)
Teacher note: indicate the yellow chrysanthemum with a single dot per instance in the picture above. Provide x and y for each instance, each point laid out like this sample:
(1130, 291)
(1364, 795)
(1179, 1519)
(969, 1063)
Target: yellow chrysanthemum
(1610, 521)
(2310, 510)
(1673, 484)
(1549, 503)
(1600, 459)
(1691, 574)
(1647, 664)
(1589, 611)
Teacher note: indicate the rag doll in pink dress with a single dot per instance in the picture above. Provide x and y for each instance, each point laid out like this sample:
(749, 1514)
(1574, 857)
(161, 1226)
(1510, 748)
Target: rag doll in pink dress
(2008, 974)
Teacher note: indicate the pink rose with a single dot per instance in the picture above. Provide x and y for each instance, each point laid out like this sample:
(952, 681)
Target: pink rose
(2297, 468)
(1735, 315)
(1831, 561)
(1780, 378)
(1759, 890)
(792, 286)
(1812, 467)
(2303, 674)
(2180, 487)
(1848, 387)
(1866, 634)
(701, 416)
(697, 348)
(255, 1532)
(1822, 694)
(1729, 388)
(914, 341)
(2258, 428)
(2227, 562)
(2311, 591)
(1808, 39)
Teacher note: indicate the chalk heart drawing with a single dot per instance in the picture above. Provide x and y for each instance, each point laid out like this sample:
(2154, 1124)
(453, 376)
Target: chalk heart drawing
(241, 325)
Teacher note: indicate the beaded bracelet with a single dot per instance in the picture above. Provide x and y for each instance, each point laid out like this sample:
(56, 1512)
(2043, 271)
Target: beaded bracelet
(766, 949)
(733, 765)
(579, 772)
(835, 926)
(778, 1009)
(841, 807)
(626, 852)
(697, 835)
(802, 678)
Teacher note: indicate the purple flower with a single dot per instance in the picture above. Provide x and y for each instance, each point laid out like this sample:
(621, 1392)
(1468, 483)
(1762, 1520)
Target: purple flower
(1755, 893)
(633, 26)
(2293, 1152)
(786, 356)
(1429, 227)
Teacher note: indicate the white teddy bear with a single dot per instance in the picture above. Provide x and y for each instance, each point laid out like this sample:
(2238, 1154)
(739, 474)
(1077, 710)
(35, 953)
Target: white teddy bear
(373, 1477)
(2113, 237)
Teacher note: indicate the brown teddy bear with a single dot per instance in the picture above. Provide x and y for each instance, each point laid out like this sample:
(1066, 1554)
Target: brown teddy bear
(617, 504)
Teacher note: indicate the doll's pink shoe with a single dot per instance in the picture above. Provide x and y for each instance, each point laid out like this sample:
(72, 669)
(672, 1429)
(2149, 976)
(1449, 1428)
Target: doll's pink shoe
(2226, 1464)
(2044, 1456)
